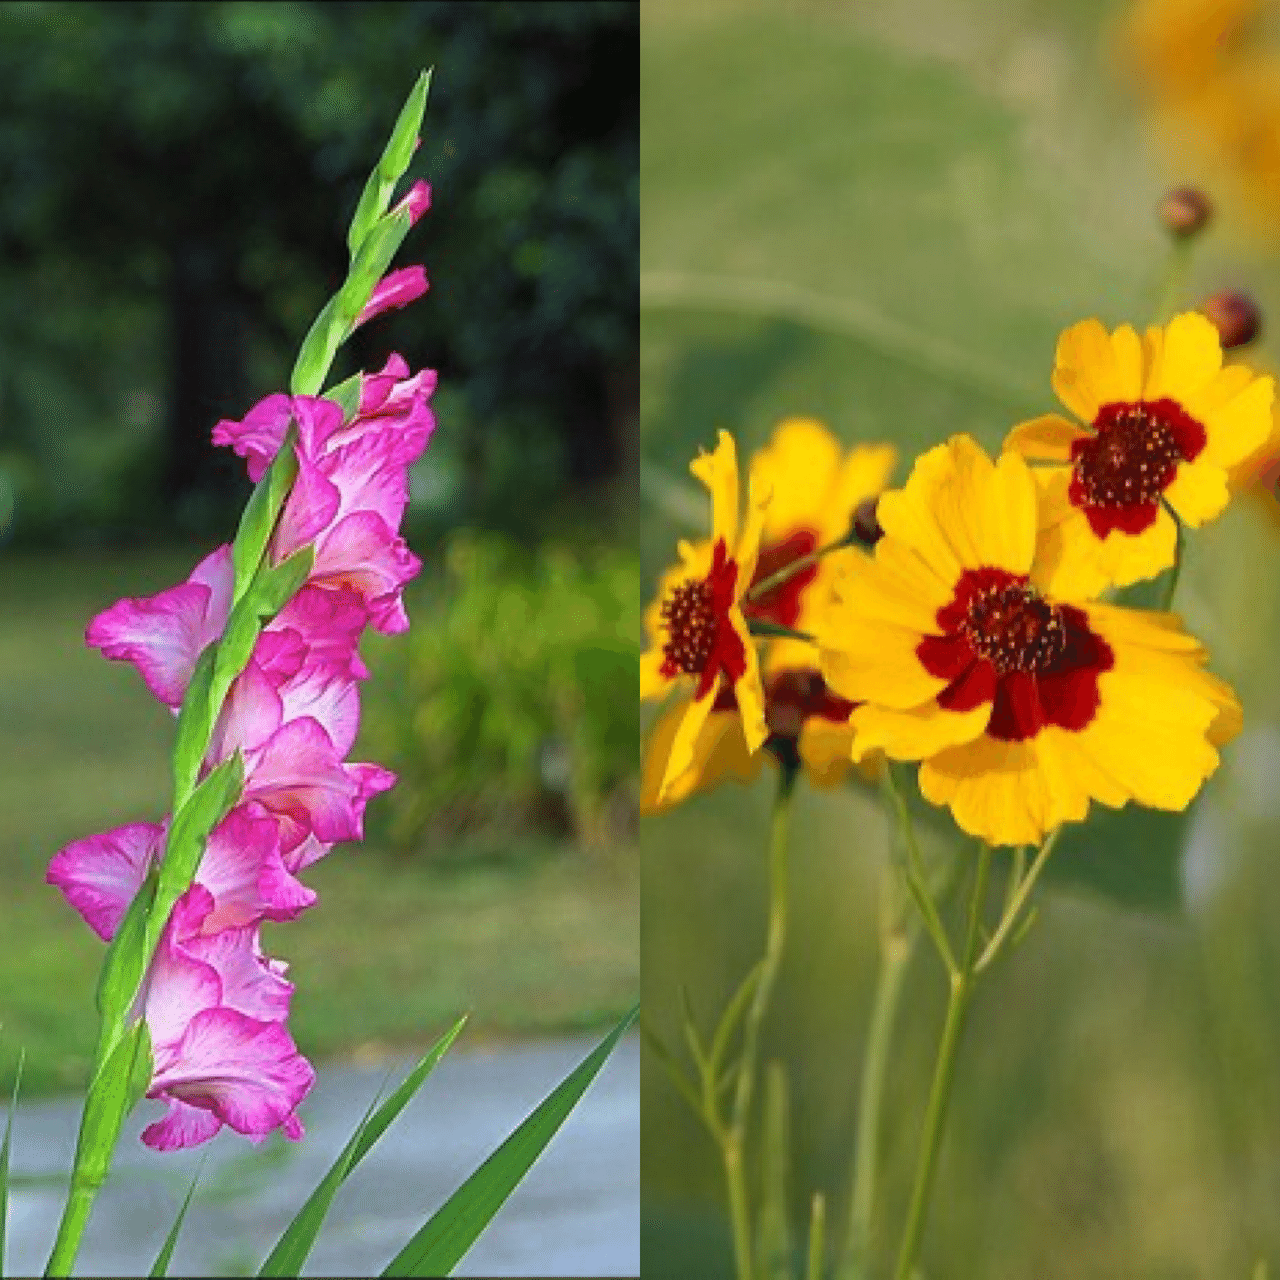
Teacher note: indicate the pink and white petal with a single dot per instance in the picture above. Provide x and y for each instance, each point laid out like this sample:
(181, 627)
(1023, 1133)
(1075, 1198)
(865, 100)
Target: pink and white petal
(304, 854)
(370, 475)
(162, 635)
(252, 712)
(375, 388)
(328, 696)
(360, 552)
(318, 420)
(280, 653)
(182, 1126)
(100, 874)
(242, 868)
(259, 435)
(251, 984)
(247, 1072)
(178, 987)
(298, 776)
(311, 507)
(330, 622)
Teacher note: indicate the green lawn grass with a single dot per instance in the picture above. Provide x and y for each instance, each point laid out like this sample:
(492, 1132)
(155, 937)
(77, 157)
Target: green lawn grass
(883, 216)
(530, 939)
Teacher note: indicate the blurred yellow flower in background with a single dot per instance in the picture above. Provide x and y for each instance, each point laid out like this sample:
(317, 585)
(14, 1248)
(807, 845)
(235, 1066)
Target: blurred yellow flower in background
(1165, 421)
(816, 488)
(1021, 705)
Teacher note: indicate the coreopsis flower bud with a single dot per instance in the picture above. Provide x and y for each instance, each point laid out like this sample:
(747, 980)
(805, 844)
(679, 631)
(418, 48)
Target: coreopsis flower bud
(1185, 212)
(1235, 315)
(866, 526)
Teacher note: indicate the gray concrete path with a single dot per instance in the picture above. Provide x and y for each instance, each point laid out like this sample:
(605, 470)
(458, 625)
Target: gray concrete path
(576, 1214)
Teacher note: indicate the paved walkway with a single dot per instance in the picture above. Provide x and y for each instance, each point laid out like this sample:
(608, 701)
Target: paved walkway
(576, 1214)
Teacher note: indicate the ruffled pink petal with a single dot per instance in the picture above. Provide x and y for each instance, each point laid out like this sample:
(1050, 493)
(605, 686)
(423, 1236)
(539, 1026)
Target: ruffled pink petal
(280, 652)
(370, 780)
(164, 634)
(328, 696)
(362, 553)
(245, 1072)
(395, 290)
(251, 984)
(259, 435)
(242, 868)
(330, 624)
(302, 855)
(182, 1126)
(298, 777)
(179, 985)
(376, 387)
(318, 419)
(370, 477)
(100, 874)
(252, 712)
(310, 508)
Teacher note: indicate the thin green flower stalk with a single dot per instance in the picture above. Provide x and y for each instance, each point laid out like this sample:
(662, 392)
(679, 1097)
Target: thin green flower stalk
(122, 1059)
(975, 955)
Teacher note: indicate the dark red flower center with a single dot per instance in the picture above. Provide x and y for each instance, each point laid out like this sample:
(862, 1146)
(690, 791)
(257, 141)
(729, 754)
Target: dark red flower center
(781, 604)
(1120, 472)
(701, 641)
(1037, 663)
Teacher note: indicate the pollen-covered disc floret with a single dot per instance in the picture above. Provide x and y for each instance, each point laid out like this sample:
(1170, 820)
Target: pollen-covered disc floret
(1163, 423)
(1011, 627)
(694, 615)
(1119, 475)
(1022, 704)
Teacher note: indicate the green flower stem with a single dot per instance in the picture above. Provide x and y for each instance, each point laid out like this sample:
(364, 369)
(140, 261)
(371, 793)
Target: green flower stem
(734, 1144)
(962, 980)
(896, 947)
(1175, 278)
(817, 1236)
(1015, 902)
(1171, 586)
(795, 566)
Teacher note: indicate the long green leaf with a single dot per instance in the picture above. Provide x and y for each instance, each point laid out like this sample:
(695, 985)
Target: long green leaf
(443, 1241)
(299, 1237)
(161, 1265)
(4, 1158)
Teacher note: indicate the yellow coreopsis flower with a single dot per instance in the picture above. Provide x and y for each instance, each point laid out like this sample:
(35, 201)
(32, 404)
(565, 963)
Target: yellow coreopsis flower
(695, 626)
(1021, 705)
(1165, 421)
(816, 489)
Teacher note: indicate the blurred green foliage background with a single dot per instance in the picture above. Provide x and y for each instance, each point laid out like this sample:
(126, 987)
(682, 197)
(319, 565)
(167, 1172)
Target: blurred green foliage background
(882, 216)
(177, 183)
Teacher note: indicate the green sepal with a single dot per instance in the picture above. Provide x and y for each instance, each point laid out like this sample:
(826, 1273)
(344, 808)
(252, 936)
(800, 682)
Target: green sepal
(274, 587)
(125, 961)
(210, 802)
(438, 1246)
(116, 1089)
(379, 247)
(318, 349)
(260, 514)
(195, 722)
(376, 195)
(346, 395)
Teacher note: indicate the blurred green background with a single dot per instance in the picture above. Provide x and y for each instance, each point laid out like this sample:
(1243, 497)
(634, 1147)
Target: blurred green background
(883, 216)
(178, 179)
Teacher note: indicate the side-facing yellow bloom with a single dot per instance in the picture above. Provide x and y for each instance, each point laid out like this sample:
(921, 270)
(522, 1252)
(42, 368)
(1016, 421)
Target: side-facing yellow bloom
(816, 488)
(1165, 420)
(695, 625)
(1021, 705)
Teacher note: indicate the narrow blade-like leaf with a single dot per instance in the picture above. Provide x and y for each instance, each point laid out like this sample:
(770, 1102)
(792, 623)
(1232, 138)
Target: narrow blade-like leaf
(295, 1245)
(161, 1265)
(4, 1158)
(443, 1241)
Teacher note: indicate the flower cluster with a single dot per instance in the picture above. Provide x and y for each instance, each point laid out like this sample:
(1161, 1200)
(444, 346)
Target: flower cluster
(215, 1006)
(973, 638)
